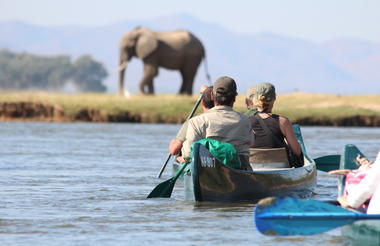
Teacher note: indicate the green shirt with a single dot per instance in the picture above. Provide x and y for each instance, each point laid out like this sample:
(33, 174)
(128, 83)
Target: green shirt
(250, 112)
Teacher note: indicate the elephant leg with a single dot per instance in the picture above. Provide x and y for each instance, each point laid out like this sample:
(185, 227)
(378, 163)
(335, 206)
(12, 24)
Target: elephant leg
(188, 74)
(182, 89)
(150, 87)
(150, 71)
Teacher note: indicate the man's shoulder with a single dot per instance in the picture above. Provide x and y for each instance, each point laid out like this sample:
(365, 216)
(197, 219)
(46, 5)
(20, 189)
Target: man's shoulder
(200, 117)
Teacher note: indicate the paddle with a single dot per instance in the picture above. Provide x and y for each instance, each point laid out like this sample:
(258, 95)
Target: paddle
(324, 163)
(291, 216)
(165, 188)
(189, 117)
(327, 163)
(333, 162)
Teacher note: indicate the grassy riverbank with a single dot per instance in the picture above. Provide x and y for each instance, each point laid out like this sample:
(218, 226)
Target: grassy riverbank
(164, 108)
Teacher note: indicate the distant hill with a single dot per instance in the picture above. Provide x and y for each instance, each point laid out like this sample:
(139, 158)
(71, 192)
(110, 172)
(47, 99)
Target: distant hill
(344, 66)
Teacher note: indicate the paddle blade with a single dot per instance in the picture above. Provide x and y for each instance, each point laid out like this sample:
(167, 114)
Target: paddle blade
(327, 163)
(292, 216)
(164, 189)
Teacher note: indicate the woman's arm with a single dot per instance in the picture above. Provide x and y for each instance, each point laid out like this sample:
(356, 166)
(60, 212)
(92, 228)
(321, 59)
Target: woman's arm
(340, 171)
(287, 130)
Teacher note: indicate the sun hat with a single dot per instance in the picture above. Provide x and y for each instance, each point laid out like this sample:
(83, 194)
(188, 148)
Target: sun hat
(265, 92)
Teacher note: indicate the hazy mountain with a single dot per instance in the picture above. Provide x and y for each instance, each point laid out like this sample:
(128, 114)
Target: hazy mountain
(337, 66)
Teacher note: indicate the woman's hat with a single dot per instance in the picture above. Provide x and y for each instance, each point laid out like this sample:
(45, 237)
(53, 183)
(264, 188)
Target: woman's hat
(265, 92)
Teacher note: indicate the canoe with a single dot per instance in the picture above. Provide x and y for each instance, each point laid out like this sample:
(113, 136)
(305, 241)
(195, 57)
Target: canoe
(365, 232)
(362, 232)
(348, 161)
(290, 216)
(208, 179)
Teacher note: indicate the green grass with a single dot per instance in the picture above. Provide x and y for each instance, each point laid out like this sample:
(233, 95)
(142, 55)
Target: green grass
(175, 108)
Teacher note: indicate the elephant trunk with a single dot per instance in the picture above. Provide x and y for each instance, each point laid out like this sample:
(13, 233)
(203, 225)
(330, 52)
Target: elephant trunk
(121, 69)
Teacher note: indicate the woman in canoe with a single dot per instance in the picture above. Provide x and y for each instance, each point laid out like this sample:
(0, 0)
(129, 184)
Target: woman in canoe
(272, 130)
(354, 176)
(367, 188)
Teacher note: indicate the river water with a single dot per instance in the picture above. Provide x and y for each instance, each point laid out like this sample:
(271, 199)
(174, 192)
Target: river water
(85, 184)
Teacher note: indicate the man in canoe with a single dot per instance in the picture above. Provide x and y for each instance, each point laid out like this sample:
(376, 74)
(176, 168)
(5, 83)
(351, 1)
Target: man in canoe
(207, 103)
(221, 123)
(251, 109)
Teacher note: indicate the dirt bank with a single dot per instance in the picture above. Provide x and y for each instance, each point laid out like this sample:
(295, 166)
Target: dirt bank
(357, 120)
(29, 111)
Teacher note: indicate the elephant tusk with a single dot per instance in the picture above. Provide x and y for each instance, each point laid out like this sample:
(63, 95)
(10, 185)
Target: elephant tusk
(121, 66)
(126, 93)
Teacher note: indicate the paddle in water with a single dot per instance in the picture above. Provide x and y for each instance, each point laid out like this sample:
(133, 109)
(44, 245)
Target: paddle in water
(291, 216)
(188, 118)
(165, 188)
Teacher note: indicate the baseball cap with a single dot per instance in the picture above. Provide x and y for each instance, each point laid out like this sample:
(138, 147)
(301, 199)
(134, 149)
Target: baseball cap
(225, 86)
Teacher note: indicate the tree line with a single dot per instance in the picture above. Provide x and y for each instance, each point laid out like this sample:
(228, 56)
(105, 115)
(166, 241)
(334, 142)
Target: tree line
(20, 71)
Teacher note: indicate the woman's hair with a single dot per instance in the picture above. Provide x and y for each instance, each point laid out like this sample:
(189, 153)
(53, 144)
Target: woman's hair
(260, 103)
(207, 101)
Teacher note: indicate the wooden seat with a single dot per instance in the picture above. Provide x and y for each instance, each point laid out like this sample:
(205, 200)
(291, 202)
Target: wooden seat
(268, 158)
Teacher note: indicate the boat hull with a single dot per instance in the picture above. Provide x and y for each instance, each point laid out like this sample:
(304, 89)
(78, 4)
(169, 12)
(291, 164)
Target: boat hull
(213, 181)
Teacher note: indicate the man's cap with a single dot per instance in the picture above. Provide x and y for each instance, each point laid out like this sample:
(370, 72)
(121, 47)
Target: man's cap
(225, 86)
(265, 92)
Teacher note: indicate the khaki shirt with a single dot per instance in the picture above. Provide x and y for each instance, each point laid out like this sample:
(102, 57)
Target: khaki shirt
(181, 135)
(221, 123)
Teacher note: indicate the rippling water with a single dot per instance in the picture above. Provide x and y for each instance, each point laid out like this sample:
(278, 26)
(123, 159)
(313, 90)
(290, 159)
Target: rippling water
(85, 184)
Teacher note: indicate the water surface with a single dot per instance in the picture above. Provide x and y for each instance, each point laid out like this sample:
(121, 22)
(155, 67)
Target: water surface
(85, 184)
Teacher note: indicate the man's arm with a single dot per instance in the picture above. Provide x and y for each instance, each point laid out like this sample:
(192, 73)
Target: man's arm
(176, 144)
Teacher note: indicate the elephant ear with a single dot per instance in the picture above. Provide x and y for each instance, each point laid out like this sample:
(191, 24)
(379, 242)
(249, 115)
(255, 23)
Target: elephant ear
(146, 44)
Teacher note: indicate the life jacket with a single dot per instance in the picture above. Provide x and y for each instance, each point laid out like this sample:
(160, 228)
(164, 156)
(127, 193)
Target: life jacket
(225, 152)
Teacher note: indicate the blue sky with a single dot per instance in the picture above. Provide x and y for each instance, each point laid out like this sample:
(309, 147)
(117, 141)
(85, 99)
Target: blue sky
(315, 20)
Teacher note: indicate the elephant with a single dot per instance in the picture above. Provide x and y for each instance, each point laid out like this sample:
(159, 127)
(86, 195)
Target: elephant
(175, 50)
